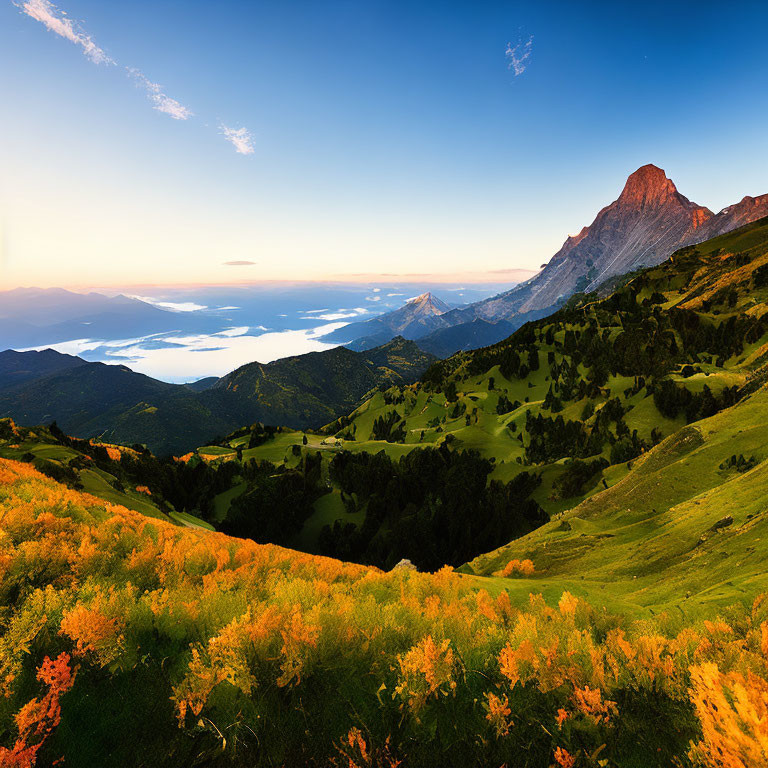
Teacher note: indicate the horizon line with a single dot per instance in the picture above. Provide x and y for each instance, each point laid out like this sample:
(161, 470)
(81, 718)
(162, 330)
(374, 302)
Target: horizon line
(492, 276)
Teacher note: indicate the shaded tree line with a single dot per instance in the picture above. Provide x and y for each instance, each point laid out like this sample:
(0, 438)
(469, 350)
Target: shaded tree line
(672, 400)
(433, 506)
(184, 486)
(278, 500)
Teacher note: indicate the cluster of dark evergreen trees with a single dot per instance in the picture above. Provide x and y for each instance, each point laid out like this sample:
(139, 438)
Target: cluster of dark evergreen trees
(672, 399)
(277, 501)
(432, 506)
(389, 427)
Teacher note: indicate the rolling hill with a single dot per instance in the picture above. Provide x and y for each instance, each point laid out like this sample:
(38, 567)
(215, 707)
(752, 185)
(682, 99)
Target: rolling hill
(302, 391)
(128, 641)
(118, 405)
(19, 367)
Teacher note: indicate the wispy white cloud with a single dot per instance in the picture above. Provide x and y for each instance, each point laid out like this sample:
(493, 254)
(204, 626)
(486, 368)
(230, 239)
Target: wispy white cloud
(518, 55)
(340, 314)
(238, 263)
(240, 138)
(162, 103)
(56, 21)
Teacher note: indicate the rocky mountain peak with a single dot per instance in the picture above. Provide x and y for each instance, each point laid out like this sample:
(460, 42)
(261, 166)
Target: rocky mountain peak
(645, 225)
(649, 185)
(429, 304)
(748, 203)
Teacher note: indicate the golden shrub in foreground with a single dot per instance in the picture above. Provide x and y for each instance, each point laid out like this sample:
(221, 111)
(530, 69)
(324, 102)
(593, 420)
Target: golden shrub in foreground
(733, 710)
(425, 671)
(267, 656)
(40, 716)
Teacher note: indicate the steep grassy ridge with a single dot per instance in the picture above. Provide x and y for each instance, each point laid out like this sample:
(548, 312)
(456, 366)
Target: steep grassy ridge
(683, 531)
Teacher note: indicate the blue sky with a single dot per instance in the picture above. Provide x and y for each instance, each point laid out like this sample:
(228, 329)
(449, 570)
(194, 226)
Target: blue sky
(386, 137)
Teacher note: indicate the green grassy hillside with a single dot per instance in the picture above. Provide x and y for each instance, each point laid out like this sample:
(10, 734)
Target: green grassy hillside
(309, 390)
(683, 531)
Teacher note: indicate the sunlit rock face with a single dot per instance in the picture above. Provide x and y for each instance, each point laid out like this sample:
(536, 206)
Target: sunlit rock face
(644, 226)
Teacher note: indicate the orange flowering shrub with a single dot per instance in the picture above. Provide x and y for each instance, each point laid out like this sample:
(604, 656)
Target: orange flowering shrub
(563, 758)
(732, 706)
(589, 701)
(499, 713)
(355, 750)
(733, 709)
(93, 632)
(114, 453)
(522, 567)
(425, 671)
(39, 717)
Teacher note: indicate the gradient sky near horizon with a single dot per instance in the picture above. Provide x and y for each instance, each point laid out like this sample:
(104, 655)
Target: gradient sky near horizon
(153, 142)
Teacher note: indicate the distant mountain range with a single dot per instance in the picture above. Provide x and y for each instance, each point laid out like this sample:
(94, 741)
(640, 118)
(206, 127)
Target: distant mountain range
(642, 228)
(423, 318)
(116, 404)
(31, 317)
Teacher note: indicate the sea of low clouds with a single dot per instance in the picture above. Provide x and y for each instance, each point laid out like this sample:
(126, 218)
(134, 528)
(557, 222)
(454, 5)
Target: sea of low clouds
(241, 324)
(184, 358)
